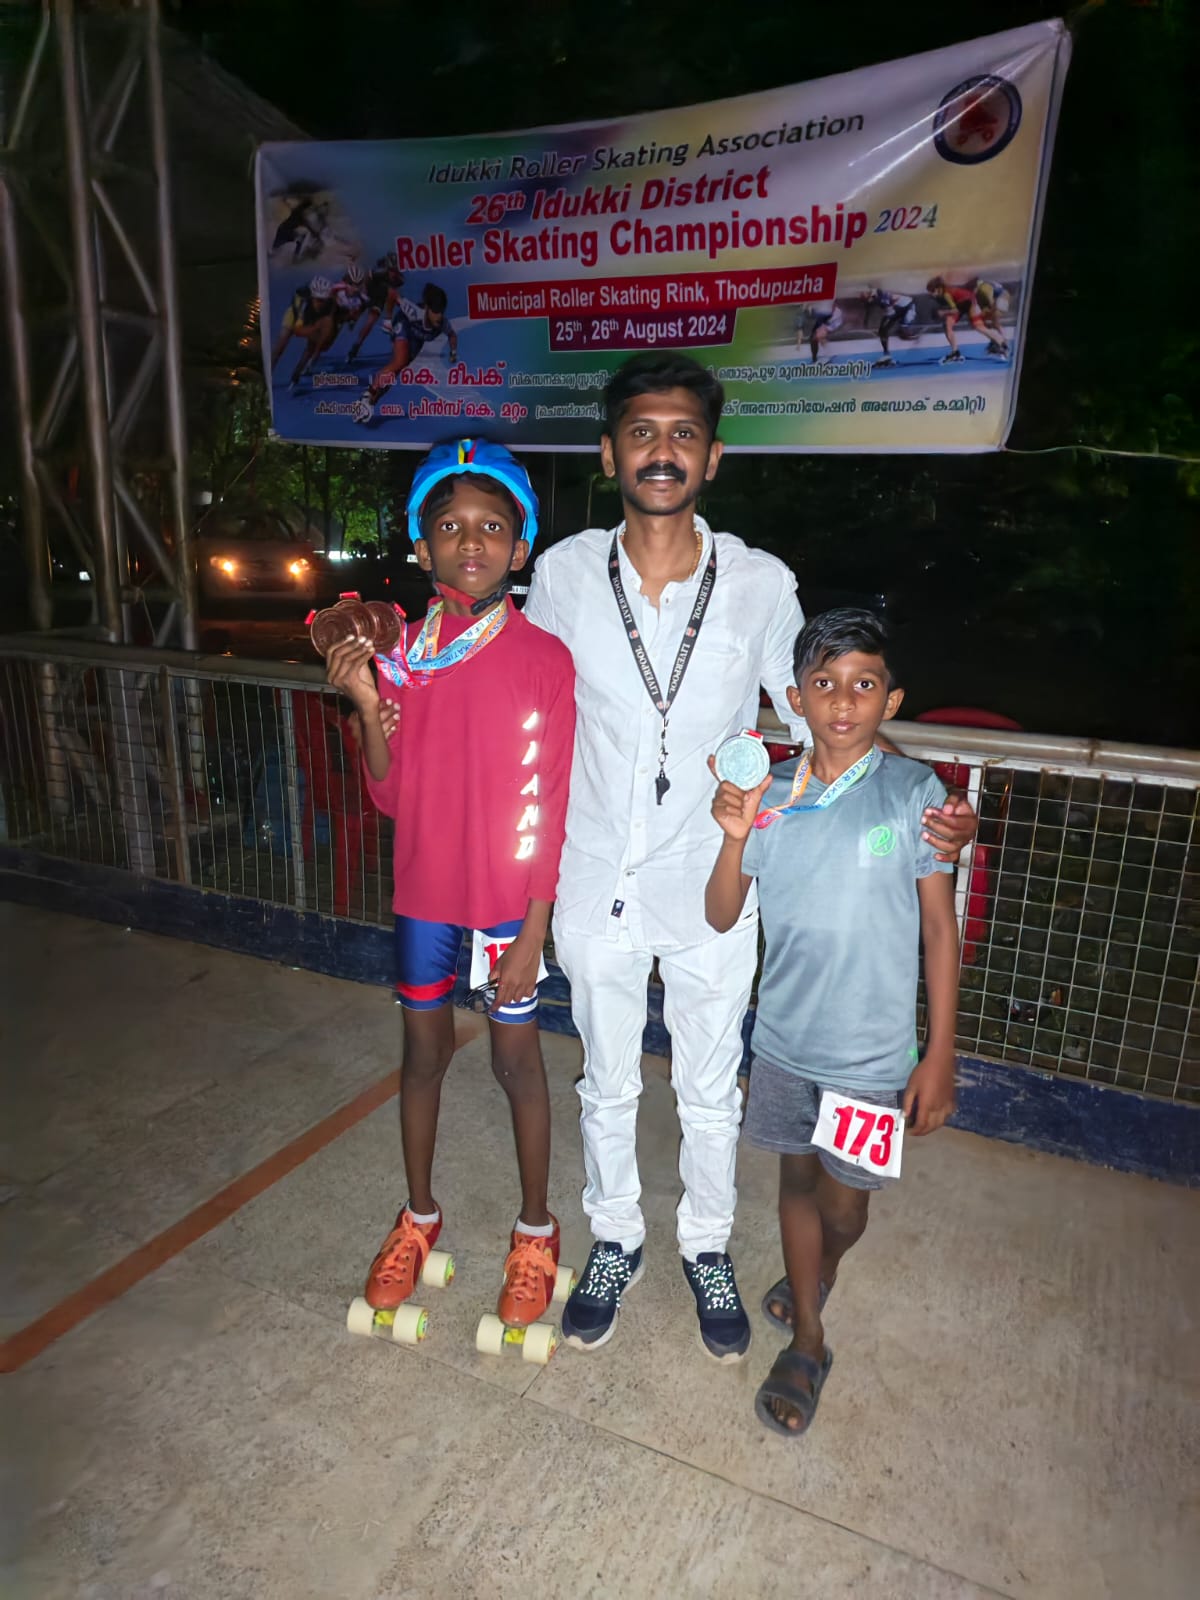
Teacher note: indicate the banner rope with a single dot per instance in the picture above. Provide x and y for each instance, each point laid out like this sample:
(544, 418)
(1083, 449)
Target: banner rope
(1102, 450)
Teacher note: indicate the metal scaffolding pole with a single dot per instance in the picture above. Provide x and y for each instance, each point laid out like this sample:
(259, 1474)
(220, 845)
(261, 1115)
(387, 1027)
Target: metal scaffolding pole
(88, 323)
(37, 547)
(96, 344)
(172, 344)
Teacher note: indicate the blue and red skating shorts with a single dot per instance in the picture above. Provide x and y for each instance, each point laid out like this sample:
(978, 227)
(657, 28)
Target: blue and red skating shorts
(427, 963)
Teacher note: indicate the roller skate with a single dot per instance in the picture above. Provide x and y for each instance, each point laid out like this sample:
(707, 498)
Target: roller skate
(533, 1280)
(949, 360)
(885, 361)
(405, 1258)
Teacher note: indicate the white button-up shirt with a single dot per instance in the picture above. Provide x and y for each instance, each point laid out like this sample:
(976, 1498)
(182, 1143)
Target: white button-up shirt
(629, 862)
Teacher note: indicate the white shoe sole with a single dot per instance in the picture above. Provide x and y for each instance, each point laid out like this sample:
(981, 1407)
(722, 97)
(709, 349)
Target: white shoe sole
(729, 1358)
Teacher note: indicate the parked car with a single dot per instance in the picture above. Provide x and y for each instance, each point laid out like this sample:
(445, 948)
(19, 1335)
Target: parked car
(255, 554)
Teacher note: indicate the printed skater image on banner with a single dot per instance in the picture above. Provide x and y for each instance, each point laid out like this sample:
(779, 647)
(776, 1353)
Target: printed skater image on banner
(852, 257)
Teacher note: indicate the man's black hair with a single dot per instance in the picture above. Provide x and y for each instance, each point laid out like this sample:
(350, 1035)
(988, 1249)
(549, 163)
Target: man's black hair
(655, 373)
(433, 298)
(440, 496)
(842, 632)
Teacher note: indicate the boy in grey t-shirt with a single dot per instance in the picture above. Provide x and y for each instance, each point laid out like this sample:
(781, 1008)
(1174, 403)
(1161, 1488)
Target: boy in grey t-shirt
(846, 877)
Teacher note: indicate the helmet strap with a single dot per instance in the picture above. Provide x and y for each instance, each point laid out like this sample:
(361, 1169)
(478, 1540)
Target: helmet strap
(477, 607)
(480, 606)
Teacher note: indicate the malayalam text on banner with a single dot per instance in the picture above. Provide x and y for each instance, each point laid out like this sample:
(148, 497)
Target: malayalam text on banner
(852, 257)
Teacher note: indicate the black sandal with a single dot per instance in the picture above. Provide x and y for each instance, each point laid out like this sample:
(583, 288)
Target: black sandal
(779, 1385)
(782, 1292)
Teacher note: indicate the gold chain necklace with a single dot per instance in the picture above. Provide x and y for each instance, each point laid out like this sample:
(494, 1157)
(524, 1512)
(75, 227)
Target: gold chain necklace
(699, 552)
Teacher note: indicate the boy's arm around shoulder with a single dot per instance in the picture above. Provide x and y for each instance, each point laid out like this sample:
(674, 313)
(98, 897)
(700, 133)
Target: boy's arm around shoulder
(950, 823)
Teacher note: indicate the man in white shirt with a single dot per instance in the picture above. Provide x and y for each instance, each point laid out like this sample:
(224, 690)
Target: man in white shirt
(673, 629)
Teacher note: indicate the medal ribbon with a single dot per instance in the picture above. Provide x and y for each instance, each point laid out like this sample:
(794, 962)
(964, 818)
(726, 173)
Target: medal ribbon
(836, 789)
(423, 660)
(662, 703)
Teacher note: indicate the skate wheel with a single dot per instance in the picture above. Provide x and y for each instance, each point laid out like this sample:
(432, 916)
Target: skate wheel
(410, 1325)
(360, 1316)
(541, 1341)
(438, 1271)
(489, 1335)
(565, 1280)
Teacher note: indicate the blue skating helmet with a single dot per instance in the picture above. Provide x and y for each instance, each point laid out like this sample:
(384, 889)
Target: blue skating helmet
(473, 455)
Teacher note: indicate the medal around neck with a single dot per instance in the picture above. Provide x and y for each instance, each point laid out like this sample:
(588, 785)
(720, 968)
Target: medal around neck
(742, 760)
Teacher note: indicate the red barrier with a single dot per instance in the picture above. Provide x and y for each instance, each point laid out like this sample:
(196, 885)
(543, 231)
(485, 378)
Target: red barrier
(955, 775)
(329, 759)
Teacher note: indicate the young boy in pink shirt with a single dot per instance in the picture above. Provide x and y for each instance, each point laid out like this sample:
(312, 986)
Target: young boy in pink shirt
(467, 736)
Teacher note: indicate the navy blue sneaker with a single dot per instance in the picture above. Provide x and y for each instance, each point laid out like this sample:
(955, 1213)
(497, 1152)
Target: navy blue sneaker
(589, 1317)
(724, 1325)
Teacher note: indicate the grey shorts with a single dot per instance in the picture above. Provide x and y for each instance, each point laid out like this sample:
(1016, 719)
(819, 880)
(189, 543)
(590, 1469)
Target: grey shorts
(781, 1115)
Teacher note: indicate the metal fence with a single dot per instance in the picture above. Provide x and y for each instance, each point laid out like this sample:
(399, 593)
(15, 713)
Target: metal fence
(205, 771)
(1079, 904)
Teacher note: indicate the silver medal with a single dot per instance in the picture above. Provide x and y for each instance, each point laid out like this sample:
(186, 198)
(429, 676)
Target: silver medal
(742, 760)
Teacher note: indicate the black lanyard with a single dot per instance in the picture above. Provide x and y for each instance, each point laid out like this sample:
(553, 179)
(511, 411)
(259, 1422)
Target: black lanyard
(662, 703)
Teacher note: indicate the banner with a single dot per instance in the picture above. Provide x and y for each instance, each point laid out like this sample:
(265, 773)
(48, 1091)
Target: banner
(851, 257)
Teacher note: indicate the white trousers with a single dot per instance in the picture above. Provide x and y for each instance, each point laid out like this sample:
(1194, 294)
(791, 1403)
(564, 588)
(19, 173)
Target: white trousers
(706, 990)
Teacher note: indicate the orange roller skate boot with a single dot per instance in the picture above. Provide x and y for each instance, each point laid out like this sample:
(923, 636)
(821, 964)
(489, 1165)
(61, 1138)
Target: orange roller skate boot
(405, 1258)
(533, 1279)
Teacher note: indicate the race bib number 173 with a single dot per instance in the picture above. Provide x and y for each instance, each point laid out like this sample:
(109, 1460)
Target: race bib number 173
(871, 1137)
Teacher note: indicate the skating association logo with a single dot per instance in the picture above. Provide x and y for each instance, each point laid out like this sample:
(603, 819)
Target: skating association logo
(977, 120)
(881, 841)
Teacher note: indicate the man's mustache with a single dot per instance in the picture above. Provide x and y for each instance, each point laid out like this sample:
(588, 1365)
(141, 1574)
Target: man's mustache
(659, 469)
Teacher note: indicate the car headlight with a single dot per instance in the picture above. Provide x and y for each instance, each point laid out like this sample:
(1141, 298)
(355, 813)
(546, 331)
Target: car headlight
(223, 564)
(298, 568)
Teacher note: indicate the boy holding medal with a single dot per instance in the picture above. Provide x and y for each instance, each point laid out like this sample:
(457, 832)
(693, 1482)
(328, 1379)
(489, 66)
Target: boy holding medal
(467, 735)
(845, 880)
